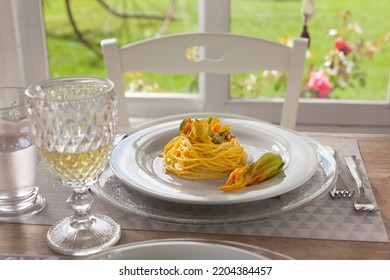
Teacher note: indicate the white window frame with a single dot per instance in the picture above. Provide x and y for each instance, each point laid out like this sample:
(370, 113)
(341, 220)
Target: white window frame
(314, 114)
(25, 55)
(23, 52)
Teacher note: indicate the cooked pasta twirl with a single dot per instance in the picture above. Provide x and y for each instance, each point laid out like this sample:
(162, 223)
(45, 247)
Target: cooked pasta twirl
(203, 150)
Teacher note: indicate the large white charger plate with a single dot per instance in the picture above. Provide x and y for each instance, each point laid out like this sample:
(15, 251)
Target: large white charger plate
(137, 162)
(187, 249)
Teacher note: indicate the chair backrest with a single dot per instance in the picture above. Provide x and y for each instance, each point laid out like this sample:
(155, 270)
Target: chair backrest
(231, 53)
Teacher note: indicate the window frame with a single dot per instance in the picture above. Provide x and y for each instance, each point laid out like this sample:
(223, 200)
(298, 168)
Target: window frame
(27, 61)
(23, 49)
(313, 114)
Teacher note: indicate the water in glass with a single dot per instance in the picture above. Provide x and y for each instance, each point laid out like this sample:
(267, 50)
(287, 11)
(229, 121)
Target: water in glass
(19, 197)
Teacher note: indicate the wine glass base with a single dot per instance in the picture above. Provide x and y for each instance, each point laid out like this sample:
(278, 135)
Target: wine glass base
(22, 210)
(67, 240)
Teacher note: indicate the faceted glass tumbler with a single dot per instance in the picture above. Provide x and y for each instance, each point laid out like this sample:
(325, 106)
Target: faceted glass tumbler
(73, 122)
(19, 195)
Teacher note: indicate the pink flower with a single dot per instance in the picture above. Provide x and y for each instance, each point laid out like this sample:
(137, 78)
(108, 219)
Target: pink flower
(342, 46)
(320, 83)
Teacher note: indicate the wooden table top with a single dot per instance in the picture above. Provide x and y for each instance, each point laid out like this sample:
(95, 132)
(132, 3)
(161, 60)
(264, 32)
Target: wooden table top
(27, 239)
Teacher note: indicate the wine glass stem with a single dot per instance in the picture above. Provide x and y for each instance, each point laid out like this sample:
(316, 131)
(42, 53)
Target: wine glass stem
(81, 201)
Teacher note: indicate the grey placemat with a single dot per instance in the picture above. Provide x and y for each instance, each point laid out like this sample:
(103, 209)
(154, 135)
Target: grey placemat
(326, 218)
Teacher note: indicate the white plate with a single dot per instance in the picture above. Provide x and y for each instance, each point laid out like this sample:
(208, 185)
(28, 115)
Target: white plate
(136, 162)
(115, 192)
(187, 249)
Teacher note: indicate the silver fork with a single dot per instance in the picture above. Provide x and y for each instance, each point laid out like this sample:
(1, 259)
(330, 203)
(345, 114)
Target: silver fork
(362, 203)
(340, 189)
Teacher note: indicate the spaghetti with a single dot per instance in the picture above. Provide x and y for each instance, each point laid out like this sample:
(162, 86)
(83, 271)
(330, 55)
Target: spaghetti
(203, 150)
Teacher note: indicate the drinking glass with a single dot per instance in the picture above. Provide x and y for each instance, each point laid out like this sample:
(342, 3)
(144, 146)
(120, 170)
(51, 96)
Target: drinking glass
(19, 197)
(73, 122)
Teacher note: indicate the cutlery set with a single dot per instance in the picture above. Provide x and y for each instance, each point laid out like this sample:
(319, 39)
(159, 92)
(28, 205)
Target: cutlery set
(341, 190)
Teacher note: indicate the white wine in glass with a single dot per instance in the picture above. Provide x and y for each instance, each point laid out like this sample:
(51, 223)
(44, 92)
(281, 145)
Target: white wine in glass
(73, 122)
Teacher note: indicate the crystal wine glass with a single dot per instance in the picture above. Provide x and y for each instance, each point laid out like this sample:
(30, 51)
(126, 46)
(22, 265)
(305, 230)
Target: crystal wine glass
(73, 122)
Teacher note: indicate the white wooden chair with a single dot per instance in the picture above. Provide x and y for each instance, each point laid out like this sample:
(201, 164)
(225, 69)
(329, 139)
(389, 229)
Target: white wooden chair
(239, 53)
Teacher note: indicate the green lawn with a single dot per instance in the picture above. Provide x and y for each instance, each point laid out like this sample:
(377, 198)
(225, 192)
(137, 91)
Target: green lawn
(273, 19)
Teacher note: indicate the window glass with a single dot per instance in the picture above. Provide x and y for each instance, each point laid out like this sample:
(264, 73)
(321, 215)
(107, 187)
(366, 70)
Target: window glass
(74, 29)
(349, 52)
